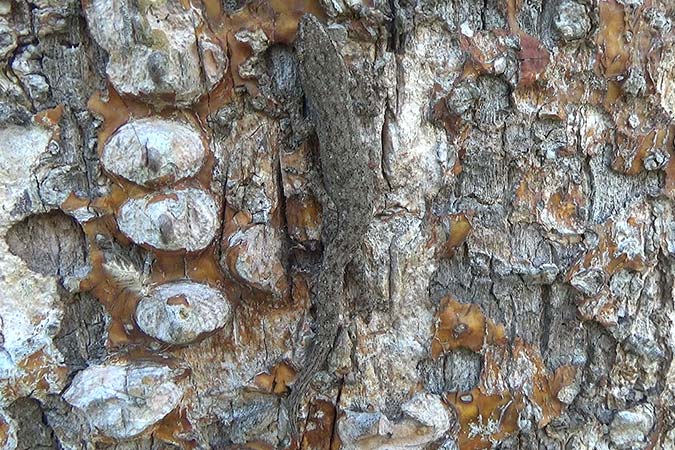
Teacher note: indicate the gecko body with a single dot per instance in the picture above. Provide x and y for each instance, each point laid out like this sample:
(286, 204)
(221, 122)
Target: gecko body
(349, 184)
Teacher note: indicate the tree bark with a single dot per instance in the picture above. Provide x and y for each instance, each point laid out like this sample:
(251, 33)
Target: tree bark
(323, 224)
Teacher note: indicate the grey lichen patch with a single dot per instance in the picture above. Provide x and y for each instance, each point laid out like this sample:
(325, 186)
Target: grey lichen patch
(8, 41)
(123, 400)
(625, 242)
(484, 101)
(30, 308)
(181, 312)
(665, 83)
(154, 151)
(156, 52)
(425, 419)
(572, 20)
(171, 220)
(254, 256)
(630, 428)
(251, 152)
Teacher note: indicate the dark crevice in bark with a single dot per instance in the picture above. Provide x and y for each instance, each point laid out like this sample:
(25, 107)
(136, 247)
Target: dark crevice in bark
(334, 428)
(546, 320)
(385, 141)
(283, 222)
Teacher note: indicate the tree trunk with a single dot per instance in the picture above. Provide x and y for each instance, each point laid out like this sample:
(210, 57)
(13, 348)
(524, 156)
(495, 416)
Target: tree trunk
(323, 224)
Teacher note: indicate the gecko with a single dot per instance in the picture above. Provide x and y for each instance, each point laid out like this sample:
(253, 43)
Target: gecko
(349, 185)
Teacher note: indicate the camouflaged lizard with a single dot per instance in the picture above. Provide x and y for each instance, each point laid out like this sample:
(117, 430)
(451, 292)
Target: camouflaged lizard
(349, 184)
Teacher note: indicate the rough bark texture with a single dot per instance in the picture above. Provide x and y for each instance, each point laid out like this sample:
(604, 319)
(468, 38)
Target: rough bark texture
(323, 224)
